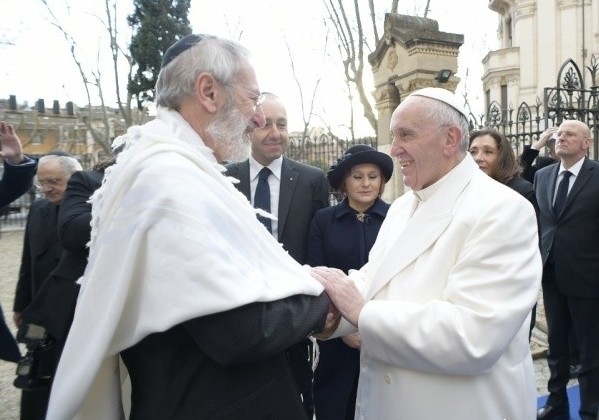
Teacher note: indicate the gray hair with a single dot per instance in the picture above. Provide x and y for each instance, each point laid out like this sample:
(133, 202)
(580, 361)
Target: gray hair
(69, 164)
(444, 114)
(220, 57)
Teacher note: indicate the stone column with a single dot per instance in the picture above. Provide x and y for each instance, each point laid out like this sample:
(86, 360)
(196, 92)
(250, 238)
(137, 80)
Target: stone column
(410, 56)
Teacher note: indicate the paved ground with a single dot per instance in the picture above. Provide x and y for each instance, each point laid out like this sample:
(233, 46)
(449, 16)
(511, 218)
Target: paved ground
(10, 255)
(11, 244)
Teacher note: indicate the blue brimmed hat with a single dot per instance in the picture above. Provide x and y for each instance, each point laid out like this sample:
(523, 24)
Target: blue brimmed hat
(357, 155)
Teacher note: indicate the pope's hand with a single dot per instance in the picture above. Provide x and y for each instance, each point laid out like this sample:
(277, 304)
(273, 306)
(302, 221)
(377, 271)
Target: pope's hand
(353, 340)
(342, 291)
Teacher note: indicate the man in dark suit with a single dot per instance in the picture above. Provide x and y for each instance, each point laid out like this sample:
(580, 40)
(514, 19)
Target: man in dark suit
(41, 253)
(568, 197)
(54, 304)
(297, 191)
(531, 161)
(19, 171)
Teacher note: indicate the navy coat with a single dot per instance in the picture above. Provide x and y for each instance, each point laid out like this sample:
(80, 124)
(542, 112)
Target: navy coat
(16, 181)
(338, 239)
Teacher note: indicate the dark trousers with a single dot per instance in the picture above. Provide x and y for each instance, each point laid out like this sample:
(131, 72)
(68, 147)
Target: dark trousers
(34, 404)
(564, 315)
(336, 381)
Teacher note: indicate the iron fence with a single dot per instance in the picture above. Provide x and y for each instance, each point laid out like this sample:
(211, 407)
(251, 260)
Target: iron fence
(569, 99)
(321, 151)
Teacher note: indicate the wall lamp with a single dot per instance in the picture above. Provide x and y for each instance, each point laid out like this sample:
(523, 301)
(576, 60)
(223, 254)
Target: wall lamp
(443, 76)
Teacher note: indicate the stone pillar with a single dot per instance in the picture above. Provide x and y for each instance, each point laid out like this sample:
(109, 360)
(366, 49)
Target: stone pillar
(387, 98)
(410, 56)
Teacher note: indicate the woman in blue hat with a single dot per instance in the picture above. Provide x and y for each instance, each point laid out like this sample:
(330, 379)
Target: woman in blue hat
(341, 237)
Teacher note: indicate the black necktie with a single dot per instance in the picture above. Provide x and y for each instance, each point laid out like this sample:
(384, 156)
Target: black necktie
(562, 193)
(262, 196)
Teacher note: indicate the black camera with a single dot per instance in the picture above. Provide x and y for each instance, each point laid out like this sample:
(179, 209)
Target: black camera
(35, 369)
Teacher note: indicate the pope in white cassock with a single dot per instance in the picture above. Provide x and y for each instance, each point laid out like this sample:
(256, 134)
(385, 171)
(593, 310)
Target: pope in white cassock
(443, 304)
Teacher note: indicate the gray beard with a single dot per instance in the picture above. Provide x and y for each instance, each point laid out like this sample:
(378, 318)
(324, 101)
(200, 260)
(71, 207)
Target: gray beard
(229, 131)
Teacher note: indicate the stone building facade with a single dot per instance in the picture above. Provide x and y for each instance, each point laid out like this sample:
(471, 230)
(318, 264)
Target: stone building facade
(536, 38)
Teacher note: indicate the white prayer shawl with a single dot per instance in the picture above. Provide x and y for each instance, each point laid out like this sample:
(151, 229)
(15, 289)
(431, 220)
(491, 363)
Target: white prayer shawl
(172, 240)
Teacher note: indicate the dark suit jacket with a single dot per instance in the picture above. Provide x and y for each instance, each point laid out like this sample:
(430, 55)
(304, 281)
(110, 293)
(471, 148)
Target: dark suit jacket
(572, 238)
(229, 366)
(529, 168)
(15, 182)
(41, 252)
(53, 306)
(304, 189)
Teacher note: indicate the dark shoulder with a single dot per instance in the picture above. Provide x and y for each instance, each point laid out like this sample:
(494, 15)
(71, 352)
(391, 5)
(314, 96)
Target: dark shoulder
(40, 203)
(518, 183)
(546, 170)
(303, 167)
(592, 163)
(92, 179)
(236, 166)
(543, 161)
(326, 212)
(381, 207)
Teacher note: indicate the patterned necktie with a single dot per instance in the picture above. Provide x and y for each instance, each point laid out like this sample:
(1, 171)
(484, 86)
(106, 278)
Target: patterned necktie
(262, 196)
(562, 193)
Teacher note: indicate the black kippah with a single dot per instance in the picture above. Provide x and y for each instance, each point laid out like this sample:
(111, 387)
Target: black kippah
(181, 45)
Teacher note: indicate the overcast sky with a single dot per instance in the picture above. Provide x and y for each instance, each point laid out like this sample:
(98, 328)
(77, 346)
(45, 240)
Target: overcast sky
(36, 62)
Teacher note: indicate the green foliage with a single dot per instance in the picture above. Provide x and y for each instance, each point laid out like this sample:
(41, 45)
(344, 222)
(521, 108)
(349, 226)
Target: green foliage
(156, 25)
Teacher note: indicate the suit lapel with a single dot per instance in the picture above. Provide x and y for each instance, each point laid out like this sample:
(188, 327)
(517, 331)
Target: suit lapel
(241, 171)
(550, 189)
(289, 178)
(583, 177)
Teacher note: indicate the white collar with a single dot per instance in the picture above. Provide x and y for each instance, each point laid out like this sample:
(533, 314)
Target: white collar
(274, 166)
(425, 193)
(574, 169)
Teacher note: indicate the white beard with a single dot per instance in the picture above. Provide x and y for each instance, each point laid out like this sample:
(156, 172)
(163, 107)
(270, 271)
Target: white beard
(229, 131)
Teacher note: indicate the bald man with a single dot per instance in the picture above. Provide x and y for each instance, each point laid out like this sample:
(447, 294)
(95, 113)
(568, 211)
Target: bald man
(568, 197)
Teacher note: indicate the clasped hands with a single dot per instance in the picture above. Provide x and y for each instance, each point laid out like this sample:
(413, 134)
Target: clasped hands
(347, 300)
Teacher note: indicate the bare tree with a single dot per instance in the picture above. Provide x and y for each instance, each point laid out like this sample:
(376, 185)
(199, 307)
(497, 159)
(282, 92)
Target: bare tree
(309, 113)
(351, 41)
(96, 119)
(427, 8)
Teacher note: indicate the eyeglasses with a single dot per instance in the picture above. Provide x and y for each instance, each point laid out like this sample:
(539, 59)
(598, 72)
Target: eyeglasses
(256, 98)
(52, 182)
